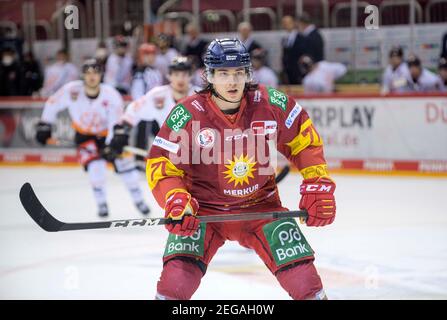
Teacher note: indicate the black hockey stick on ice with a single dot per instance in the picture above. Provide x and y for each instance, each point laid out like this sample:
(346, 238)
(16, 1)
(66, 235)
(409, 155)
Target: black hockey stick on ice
(47, 222)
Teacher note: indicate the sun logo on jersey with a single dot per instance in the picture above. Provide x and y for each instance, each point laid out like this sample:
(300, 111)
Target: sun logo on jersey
(240, 170)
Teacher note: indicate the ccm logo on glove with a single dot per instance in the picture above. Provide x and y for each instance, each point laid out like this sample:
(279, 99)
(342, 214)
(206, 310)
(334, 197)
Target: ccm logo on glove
(319, 201)
(315, 187)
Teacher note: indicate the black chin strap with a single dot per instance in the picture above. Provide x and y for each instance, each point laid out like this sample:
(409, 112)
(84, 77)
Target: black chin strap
(216, 94)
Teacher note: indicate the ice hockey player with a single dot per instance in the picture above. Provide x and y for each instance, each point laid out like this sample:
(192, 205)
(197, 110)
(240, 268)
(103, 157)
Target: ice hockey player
(156, 104)
(207, 159)
(94, 109)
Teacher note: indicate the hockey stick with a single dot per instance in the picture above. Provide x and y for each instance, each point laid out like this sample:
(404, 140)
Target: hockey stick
(46, 221)
(282, 174)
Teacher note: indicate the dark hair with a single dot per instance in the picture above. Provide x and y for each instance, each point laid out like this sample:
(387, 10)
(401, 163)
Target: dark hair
(304, 18)
(396, 51)
(414, 61)
(62, 51)
(209, 88)
(8, 49)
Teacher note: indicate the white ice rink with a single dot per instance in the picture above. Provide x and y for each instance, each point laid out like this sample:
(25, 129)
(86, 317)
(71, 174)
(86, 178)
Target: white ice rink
(389, 241)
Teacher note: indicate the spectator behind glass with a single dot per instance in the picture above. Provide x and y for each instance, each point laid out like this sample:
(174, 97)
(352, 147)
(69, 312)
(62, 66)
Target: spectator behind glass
(313, 41)
(290, 52)
(58, 74)
(10, 75)
(444, 46)
(118, 72)
(442, 70)
(101, 55)
(32, 77)
(195, 47)
(165, 55)
(244, 29)
(146, 75)
(198, 76)
(421, 79)
(320, 76)
(396, 74)
(261, 73)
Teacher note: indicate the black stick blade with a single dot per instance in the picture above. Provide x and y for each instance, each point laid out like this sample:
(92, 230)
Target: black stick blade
(37, 211)
(282, 174)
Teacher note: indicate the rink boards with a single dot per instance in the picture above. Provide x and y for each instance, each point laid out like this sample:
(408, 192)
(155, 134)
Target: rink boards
(366, 133)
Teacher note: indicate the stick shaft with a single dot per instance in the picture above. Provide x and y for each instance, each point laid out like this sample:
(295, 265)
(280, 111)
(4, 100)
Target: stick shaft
(46, 221)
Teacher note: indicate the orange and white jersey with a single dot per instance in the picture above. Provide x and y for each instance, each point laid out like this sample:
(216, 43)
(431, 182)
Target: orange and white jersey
(154, 105)
(90, 116)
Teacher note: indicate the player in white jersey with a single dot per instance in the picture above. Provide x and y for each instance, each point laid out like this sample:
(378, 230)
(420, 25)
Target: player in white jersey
(442, 71)
(157, 103)
(94, 109)
(320, 77)
(396, 74)
(421, 79)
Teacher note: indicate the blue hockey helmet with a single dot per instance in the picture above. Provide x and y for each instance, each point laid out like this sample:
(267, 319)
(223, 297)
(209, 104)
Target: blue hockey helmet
(228, 53)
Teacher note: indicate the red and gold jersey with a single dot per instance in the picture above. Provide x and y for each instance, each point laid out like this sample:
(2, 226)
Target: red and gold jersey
(227, 165)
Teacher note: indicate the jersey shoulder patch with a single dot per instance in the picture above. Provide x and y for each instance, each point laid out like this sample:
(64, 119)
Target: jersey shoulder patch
(277, 98)
(166, 89)
(110, 90)
(179, 117)
(73, 85)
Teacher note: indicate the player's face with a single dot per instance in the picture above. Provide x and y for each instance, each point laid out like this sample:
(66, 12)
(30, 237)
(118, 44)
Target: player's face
(180, 80)
(257, 63)
(148, 59)
(121, 51)
(443, 73)
(415, 71)
(395, 61)
(230, 82)
(92, 78)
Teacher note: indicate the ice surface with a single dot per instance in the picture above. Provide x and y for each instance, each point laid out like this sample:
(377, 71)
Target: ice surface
(389, 241)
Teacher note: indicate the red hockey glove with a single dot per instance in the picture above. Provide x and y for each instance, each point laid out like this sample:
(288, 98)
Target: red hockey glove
(182, 209)
(318, 199)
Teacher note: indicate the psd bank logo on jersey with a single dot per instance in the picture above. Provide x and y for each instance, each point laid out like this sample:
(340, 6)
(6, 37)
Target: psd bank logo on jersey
(206, 138)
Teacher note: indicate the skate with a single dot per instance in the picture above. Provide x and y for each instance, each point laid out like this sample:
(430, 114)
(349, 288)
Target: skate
(103, 210)
(142, 207)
